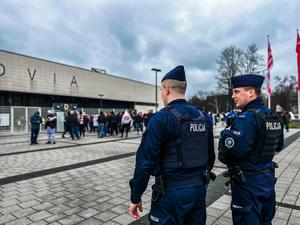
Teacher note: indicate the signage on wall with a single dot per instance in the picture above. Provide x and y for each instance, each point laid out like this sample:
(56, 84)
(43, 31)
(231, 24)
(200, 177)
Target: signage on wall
(64, 107)
(4, 119)
(2, 70)
(32, 74)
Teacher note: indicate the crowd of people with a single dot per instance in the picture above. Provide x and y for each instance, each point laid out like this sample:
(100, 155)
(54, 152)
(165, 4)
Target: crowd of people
(105, 124)
(76, 124)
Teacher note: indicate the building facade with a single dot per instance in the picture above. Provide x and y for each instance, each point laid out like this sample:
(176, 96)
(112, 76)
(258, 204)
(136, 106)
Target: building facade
(28, 84)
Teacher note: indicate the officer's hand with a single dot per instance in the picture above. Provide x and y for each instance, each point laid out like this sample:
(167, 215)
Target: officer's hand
(133, 210)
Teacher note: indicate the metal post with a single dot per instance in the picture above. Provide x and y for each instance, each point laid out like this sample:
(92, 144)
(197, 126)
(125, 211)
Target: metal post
(12, 118)
(298, 104)
(156, 70)
(101, 96)
(26, 119)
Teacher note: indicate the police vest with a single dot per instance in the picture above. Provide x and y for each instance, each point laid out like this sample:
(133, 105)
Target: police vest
(267, 138)
(190, 149)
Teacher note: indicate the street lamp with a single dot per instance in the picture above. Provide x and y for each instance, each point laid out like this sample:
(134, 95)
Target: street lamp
(156, 70)
(101, 96)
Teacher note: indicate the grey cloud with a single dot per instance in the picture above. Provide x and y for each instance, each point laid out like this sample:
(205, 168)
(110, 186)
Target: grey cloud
(128, 38)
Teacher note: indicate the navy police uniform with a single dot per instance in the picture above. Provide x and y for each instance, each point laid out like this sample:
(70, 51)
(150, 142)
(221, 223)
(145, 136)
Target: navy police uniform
(248, 148)
(176, 148)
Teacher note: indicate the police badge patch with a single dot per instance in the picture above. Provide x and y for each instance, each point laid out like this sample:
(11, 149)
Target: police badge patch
(229, 142)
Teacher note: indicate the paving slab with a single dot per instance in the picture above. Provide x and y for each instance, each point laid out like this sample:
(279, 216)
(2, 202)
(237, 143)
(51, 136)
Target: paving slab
(99, 193)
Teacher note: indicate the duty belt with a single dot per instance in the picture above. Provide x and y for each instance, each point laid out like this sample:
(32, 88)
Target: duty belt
(185, 181)
(254, 173)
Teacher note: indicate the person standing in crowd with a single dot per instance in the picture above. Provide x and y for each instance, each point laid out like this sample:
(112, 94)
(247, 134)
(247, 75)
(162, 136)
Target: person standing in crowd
(138, 121)
(147, 117)
(74, 125)
(67, 125)
(91, 122)
(35, 121)
(106, 123)
(247, 147)
(177, 148)
(95, 123)
(113, 124)
(51, 126)
(119, 119)
(82, 123)
(287, 118)
(101, 125)
(125, 123)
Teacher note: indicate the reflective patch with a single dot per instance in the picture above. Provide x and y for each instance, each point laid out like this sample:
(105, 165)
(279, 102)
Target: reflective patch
(242, 116)
(155, 219)
(273, 125)
(229, 142)
(237, 206)
(236, 132)
(197, 127)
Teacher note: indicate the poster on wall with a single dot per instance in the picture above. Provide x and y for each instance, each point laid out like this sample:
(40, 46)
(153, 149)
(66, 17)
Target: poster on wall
(4, 119)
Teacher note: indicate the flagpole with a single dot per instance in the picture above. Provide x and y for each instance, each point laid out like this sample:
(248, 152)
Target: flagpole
(298, 104)
(269, 81)
(298, 78)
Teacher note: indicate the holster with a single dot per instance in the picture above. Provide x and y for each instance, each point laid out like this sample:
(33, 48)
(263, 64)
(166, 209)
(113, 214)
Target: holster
(208, 176)
(159, 188)
(235, 175)
(275, 166)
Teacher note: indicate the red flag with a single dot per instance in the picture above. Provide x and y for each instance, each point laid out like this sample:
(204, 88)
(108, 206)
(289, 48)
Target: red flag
(298, 58)
(298, 43)
(270, 64)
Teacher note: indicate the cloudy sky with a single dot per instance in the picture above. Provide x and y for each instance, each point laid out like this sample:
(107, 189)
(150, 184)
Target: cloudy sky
(129, 37)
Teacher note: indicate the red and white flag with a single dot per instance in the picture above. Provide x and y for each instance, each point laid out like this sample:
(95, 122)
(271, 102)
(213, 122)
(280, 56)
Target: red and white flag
(298, 58)
(270, 64)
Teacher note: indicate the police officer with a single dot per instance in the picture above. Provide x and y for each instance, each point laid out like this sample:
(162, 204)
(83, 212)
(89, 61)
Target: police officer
(248, 147)
(177, 148)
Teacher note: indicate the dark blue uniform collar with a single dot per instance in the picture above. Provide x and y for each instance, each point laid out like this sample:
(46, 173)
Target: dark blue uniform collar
(254, 104)
(177, 101)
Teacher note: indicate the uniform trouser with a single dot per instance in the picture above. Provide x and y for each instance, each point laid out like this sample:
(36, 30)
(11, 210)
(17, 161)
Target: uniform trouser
(34, 135)
(182, 205)
(51, 134)
(253, 202)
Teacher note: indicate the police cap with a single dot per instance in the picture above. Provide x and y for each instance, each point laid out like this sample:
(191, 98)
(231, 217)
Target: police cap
(247, 80)
(175, 74)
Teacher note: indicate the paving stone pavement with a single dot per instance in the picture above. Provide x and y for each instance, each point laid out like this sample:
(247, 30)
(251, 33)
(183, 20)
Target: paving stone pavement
(99, 193)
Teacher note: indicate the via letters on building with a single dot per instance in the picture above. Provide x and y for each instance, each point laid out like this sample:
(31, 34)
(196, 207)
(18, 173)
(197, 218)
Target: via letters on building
(32, 75)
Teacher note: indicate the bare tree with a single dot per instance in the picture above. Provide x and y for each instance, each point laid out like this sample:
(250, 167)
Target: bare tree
(229, 64)
(199, 100)
(209, 101)
(233, 61)
(215, 101)
(285, 93)
(253, 61)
